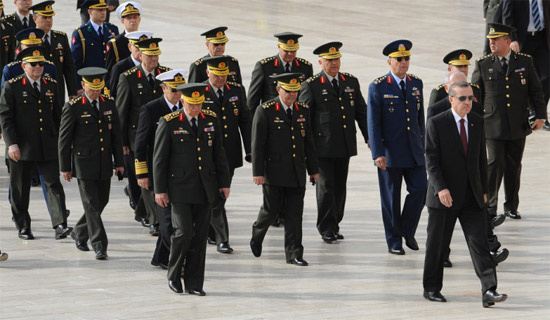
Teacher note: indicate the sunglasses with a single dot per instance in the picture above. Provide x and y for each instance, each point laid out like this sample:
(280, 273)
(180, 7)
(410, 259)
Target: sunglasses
(33, 64)
(399, 59)
(218, 44)
(463, 98)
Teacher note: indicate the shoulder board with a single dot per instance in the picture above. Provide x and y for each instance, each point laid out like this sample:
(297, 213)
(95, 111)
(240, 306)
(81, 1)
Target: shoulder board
(14, 63)
(302, 105)
(379, 80)
(348, 75)
(234, 59)
(2, 20)
(171, 116)
(304, 61)
(474, 85)
(413, 76)
(50, 79)
(107, 97)
(234, 84)
(9, 16)
(131, 70)
(484, 57)
(523, 54)
(12, 80)
(209, 113)
(164, 69)
(267, 105)
(49, 62)
(198, 62)
(75, 100)
(59, 32)
(439, 87)
(266, 60)
(310, 79)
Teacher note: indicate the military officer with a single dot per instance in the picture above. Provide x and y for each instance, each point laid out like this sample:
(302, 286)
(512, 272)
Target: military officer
(215, 44)
(89, 41)
(492, 12)
(129, 14)
(21, 18)
(90, 141)
(190, 169)
(30, 115)
(7, 40)
(262, 86)
(396, 135)
(27, 38)
(457, 60)
(137, 87)
(57, 49)
(145, 142)
(227, 99)
(336, 102)
(85, 16)
(282, 150)
(128, 63)
(509, 84)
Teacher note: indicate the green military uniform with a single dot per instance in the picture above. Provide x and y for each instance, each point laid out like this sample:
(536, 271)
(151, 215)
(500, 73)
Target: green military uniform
(507, 97)
(189, 166)
(262, 86)
(234, 116)
(334, 111)
(282, 150)
(30, 120)
(7, 43)
(90, 140)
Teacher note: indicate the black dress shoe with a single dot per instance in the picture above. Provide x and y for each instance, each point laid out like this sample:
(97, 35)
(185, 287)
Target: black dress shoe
(434, 296)
(80, 245)
(62, 232)
(500, 255)
(513, 214)
(411, 243)
(447, 263)
(329, 237)
(339, 236)
(131, 202)
(197, 292)
(211, 241)
(25, 234)
(491, 296)
(300, 262)
(144, 222)
(498, 220)
(101, 255)
(256, 248)
(154, 230)
(175, 286)
(546, 126)
(397, 251)
(224, 247)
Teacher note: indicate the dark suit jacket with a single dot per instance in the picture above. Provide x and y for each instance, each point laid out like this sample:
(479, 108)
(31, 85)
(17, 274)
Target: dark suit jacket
(197, 70)
(447, 165)
(59, 52)
(444, 105)
(120, 67)
(516, 13)
(7, 43)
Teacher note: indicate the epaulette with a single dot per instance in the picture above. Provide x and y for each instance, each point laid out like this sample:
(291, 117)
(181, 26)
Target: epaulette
(209, 113)
(313, 77)
(14, 63)
(171, 116)
(523, 54)
(304, 61)
(12, 80)
(266, 60)
(48, 61)
(380, 79)
(349, 75)
(484, 57)
(235, 84)
(267, 105)
(413, 76)
(474, 85)
(234, 59)
(75, 100)
(9, 16)
(59, 32)
(131, 70)
(198, 62)
(50, 79)
(107, 97)
(439, 87)
(164, 69)
(302, 105)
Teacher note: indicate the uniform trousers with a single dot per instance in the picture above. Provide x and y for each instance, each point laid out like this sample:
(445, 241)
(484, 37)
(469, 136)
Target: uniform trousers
(537, 46)
(20, 182)
(331, 193)
(148, 199)
(291, 201)
(504, 160)
(162, 249)
(219, 227)
(401, 223)
(95, 196)
(190, 222)
(133, 188)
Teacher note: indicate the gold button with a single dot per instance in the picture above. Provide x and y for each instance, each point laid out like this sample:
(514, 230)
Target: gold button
(343, 117)
(408, 128)
(39, 110)
(225, 135)
(225, 126)
(85, 122)
(133, 126)
(78, 153)
(100, 130)
(293, 146)
(198, 149)
(340, 99)
(154, 91)
(293, 136)
(39, 101)
(408, 119)
(100, 139)
(507, 87)
(342, 107)
(99, 121)
(41, 120)
(507, 96)
(172, 174)
(197, 139)
(508, 105)
(406, 110)
(224, 117)
(140, 92)
(41, 129)
(200, 158)
(181, 140)
(223, 109)
(291, 128)
(406, 102)
(506, 78)
(200, 168)
(345, 126)
(294, 155)
(102, 148)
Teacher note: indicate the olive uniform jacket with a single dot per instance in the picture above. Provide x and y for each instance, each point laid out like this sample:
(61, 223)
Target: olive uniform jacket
(31, 121)
(90, 140)
(197, 70)
(183, 161)
(7, 43)
(282, 150)
(59, 52)
(233, 115)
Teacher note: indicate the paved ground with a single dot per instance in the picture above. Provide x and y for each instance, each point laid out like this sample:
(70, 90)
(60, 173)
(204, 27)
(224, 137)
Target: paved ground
(354, 279)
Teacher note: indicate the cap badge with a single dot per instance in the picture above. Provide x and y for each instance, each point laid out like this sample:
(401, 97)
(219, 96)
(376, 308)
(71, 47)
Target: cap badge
(195, 94)
(462, 57)
(219, 34)
(492, 30)
(401, 47)
(36, 53)
(290, 42)
(178, 78)
(293, 81)
(96, 81)
(221, 65)
(332, 50)
(32, 35)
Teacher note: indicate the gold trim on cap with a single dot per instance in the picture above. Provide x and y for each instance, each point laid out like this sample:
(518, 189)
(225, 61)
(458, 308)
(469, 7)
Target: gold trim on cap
(292, 85)
(153, 49)
(221, 70)
(174, 83)
(196, 98)
(462, 61)
(401, 52)
(289, 45)
(101, 5)
(36, 57)
(96, 84)
(128, 10)
(47, 12)
(32, 39)
(219, 38)
(492, 34)
(332, 53)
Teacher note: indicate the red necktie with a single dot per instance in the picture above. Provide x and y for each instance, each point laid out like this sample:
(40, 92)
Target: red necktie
(463, 137)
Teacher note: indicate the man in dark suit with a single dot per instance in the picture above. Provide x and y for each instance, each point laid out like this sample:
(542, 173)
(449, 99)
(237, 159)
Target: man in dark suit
(396, 135)
(531, 18)
(262, 86)
(457, 166)
(7, 40)
(29, 116)
(509, 84)
(145, 142)
(492, 12)
(137, 87)
(57, 50)
(216, 41)
(190, 169)
(335, 101)
(21, 18)
(90, 141)
(129, 14)
(228, 100)
(282, 151)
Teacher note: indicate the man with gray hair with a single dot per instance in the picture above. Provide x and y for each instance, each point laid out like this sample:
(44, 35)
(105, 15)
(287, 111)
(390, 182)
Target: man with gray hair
(444, 104)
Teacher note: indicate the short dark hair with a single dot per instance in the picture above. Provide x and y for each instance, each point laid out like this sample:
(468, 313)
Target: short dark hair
(453, 87)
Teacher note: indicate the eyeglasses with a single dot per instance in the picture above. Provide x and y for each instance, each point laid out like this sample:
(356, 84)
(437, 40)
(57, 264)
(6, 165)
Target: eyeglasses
(463, 98)
(218, 44)
(33, 64)
(399, 59)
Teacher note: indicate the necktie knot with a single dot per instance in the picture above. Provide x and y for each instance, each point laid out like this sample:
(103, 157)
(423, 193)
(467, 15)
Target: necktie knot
(151, 80)
(220, 94)
(287, 67)
(194, 126)
(174, 108)
(36, 88)
(504, 65)
(335, 84)
(403, 88)
(289, 113)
